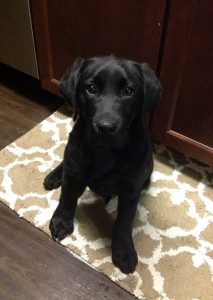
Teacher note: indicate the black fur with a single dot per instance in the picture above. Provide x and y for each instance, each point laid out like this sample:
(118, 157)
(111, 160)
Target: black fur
(109, 148)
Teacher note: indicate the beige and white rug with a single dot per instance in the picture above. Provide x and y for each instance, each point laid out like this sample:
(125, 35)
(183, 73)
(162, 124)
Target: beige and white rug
(173, 229)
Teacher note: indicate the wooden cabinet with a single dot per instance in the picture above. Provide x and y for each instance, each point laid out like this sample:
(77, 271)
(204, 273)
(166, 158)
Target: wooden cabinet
(67, 29)
(184, 119)
(174, 37)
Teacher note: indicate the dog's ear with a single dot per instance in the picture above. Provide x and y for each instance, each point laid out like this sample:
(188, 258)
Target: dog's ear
(68, 85)
(152, 88)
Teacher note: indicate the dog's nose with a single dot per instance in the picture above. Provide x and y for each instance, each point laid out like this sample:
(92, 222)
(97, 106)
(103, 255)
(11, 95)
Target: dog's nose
(106, 127)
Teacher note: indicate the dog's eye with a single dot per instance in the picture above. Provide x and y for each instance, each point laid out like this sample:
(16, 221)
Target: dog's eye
(91, 89)
(128, 91)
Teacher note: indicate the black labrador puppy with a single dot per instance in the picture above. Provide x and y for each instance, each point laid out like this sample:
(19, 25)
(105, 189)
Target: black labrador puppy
(109, 149)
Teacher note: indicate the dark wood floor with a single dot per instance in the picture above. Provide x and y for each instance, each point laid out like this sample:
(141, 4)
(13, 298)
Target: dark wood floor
(32, 265)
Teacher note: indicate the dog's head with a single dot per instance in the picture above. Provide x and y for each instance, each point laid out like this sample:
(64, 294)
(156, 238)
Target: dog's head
(109, 93)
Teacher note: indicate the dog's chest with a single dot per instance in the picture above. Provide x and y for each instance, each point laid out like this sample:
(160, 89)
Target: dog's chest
(105, 172)
(103, 160)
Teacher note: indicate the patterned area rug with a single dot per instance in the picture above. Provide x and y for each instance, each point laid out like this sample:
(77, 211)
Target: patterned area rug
(173, 229)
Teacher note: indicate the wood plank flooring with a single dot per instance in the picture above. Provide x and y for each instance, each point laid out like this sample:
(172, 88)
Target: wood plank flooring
(32, 265)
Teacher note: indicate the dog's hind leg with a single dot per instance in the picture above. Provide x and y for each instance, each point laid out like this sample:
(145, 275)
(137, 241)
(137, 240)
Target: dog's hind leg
(54, 178)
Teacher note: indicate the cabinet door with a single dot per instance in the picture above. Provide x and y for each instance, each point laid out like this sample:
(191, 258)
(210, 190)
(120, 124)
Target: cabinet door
(67, 29)
(184, 119)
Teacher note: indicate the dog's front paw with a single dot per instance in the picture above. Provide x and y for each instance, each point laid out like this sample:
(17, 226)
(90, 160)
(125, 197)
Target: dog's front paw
(52, 181)
(61, 225)
(124, 256)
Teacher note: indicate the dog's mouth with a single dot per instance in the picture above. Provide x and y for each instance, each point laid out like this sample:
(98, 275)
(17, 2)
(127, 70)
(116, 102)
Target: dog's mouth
(111, 134)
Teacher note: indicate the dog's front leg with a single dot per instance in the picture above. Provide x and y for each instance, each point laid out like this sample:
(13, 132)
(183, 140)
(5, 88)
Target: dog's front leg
(61, 223)
(124, 255)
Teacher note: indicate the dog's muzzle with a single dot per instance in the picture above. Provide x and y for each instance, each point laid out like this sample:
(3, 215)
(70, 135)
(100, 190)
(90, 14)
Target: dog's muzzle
(106, 126)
